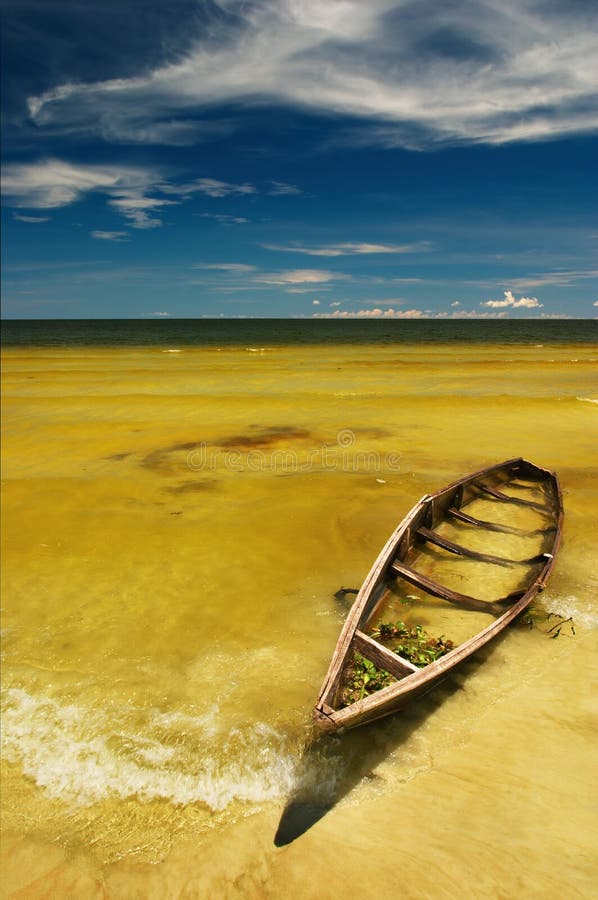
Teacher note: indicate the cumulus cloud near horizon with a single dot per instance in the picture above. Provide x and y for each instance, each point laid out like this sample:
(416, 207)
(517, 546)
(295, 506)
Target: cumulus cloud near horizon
(375, 313)
(494, 72)
(511, 301)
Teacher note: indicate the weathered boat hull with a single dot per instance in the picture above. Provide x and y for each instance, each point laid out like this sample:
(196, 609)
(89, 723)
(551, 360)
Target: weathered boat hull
(418, 528)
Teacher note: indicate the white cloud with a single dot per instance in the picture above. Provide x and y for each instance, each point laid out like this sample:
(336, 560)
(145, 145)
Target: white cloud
(52, 183)
(595, 303)
(456, 303)
(138, 209)
(136, 193)
(281, 188)
(110, 235)
(306, 290)
(160, 315)
(214, 188)
(225, 219)
(379, 313)
(347, 249)
(512, 302)
(315, 302)
(375, 313)
(300, 276)
(493, 72)
(559, 278)
(32, 219)
(226, 267)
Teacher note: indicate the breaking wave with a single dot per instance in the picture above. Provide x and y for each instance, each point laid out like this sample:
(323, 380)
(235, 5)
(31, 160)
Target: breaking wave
(78, 754)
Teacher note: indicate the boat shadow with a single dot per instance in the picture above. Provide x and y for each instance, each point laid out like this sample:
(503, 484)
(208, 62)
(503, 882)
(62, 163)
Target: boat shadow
(331, 766)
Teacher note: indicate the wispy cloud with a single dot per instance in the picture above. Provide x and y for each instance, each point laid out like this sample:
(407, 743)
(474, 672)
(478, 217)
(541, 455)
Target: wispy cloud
(281, 188)
(117, 236)
(237, 268)
(349, 248)
(493, 72)
(32, 219)
(308, 290)
(225, 219)
(558, 278)
(53, 183)
(136, 193)
(300, 276)
(214, 188)
(511, 301)
(139, 209)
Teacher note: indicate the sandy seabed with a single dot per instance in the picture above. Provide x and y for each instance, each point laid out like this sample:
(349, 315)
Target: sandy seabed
(175, 525)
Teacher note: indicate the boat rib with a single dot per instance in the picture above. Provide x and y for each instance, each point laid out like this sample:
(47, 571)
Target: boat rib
(506, 498)
(439, 590)
(458, 514)
(432, 537)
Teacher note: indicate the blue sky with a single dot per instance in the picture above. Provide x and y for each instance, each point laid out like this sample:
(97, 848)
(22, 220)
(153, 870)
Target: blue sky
(400, 158)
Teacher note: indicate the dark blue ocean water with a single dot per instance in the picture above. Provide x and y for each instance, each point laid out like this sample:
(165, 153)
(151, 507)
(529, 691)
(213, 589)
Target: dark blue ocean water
(269, 332)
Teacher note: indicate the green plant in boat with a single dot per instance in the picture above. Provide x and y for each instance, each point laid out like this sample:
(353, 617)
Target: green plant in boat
(413, 644)
(363, 678)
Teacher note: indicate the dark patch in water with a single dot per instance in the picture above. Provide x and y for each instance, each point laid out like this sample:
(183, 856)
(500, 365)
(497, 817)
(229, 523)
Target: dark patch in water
(372, 433)
(192, 487)
(159, 460)
(162, 460)
(265, 437)
(187, 445)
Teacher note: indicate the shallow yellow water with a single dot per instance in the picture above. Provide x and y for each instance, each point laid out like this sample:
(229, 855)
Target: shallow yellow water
(175, 525)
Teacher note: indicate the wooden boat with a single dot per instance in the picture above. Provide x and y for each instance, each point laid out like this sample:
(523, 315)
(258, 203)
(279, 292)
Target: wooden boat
(522, 509)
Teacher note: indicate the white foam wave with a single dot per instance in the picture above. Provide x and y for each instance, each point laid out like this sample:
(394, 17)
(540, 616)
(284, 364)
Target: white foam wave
(587, 399)
(172, 351)
(77, 754)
